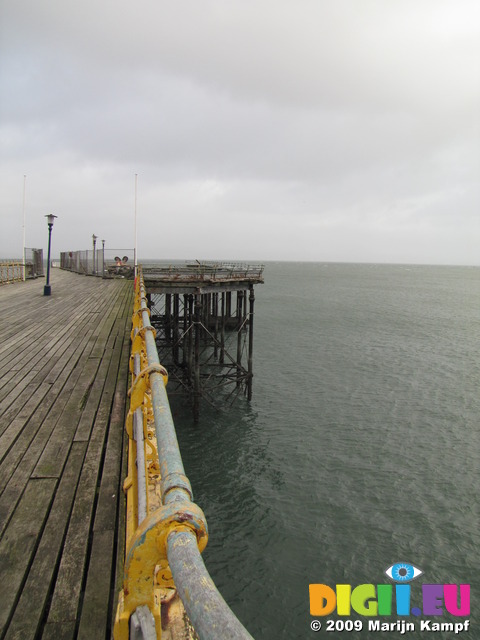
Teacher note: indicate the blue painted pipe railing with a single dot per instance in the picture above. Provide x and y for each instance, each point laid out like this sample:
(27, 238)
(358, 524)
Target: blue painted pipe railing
(210, 615)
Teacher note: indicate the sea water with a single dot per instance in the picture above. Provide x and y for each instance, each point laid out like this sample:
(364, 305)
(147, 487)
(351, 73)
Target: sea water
(360, 448)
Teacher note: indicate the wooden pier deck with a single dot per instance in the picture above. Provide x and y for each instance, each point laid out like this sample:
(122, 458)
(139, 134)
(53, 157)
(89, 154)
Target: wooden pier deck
(63, 383)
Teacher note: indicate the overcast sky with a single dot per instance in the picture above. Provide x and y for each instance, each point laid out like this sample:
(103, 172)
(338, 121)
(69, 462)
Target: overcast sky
(326, 130)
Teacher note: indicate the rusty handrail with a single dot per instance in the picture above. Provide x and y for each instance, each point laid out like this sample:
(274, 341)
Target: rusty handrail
(164, 541)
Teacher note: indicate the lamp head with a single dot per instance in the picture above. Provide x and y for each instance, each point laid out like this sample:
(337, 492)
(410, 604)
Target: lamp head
(50, 218)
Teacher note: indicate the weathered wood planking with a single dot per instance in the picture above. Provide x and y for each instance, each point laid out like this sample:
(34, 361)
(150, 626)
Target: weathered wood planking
(63, 386)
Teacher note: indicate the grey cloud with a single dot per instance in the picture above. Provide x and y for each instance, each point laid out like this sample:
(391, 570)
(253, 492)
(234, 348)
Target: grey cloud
(340, 117)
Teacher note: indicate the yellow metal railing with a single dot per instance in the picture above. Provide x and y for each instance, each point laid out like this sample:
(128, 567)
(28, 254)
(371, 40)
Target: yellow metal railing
(147, 581)
(11, 271)
(164, 578)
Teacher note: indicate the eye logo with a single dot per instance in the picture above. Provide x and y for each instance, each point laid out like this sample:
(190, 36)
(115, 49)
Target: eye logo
(403, 572)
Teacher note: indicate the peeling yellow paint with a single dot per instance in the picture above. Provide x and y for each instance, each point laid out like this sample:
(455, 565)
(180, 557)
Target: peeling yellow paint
(147, 576)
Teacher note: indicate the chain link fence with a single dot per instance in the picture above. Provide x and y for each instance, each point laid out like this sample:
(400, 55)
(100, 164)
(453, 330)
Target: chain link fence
(34, 267)
(104, 263)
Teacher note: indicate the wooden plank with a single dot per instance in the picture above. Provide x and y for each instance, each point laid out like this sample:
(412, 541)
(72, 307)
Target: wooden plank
(52, 368)
(96, 618)
(66, 597)
(51, 410)
(60, 394)
(26, 621)
(91, 403)
(100, 400)
(95, 615)
(34, 350)
(65, 431)
(100, 386)
(95, 329)
(16, 484)
(37, 336)
(22, 444)
(56, 319)
(17, 425)
(53, 457)
(13, 395)
(59, 631)
(57, 366)
(39, 357)
(18, 543)
(112, 480)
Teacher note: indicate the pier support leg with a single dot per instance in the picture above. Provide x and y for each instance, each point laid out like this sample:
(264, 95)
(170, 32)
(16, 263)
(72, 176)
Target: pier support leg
(222, 331)
(239, 336)
(185, 327)
(168, 315)
(176, 332)
(196, 375)
(215, 329)
(229, 304)
(250, 343)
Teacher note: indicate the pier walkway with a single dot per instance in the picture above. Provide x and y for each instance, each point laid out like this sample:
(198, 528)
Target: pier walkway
(63, 384)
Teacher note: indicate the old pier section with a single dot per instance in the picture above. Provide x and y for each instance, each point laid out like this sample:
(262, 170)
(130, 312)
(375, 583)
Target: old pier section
(203, 314)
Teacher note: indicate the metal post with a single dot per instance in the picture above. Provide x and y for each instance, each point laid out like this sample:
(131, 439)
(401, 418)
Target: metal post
(103, 258)
(94, 238)
(135, 257)
(229, 304)
(250, 344)
(47, 290)
(168, 316)
(176, 332)
(140, 447)
(24, 249)
(222, 332)
(215, 328)
(196, 375)
(185, 327)
(239, 336)
(190, 337)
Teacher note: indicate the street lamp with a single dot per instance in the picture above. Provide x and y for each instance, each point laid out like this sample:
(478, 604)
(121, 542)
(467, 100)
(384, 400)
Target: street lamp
(94, 238)
(47, 290)
(103, 258)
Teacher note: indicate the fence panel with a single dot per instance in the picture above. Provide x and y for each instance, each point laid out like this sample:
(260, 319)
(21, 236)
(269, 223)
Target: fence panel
(34, 263)
(11, 271)
(103, 262)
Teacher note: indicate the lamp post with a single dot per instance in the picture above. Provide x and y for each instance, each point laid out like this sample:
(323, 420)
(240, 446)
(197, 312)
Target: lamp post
(47, 290)
(94, 238)
(24, 250)
(135, 257)
(103, 258)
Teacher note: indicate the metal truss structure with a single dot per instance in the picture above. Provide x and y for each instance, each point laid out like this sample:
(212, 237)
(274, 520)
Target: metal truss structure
(204, 323)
